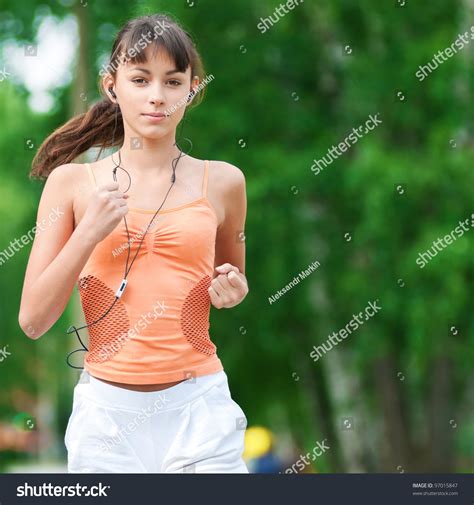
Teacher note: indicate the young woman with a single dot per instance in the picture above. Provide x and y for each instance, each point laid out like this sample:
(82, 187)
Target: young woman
(152, 237)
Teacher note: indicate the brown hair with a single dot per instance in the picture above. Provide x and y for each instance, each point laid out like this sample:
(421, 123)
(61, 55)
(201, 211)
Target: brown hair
(95, 127)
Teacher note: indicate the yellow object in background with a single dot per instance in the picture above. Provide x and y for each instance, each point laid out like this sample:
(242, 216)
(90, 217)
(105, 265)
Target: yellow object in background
(258, 441)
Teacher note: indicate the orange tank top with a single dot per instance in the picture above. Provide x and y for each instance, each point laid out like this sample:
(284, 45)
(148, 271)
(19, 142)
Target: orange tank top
(158, 330)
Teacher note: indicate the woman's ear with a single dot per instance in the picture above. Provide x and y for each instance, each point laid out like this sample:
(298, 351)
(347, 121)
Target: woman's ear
(193, 90)
(108, 85)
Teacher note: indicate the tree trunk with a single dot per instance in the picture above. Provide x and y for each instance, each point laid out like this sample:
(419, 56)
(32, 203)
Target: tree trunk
(396, 452)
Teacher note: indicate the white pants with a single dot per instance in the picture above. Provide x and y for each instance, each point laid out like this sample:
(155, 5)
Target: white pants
(194, 426)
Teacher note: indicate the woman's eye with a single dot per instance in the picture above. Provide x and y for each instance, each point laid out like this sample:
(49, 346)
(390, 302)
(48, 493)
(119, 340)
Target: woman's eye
(138, 79)
(177, 83)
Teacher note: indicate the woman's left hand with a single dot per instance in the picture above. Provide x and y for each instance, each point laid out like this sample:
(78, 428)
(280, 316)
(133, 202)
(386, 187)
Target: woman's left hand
(229, 288)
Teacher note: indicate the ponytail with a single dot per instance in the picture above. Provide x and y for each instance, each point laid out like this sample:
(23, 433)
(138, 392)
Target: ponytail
(86, 130)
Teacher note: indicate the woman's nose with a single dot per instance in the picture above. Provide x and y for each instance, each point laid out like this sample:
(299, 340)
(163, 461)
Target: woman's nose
(157, 95)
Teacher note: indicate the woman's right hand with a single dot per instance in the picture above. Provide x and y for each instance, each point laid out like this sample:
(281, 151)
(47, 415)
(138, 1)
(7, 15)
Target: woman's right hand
(106, 208)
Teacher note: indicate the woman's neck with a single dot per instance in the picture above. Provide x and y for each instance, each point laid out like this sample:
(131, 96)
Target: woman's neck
(145, 156)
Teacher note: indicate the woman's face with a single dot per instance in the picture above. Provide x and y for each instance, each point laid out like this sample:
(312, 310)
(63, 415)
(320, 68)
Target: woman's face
(151, 87)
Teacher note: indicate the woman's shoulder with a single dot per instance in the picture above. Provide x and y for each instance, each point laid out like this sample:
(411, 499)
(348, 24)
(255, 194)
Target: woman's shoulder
(225, 174)
(72, 180)
(226, 168)
(68, 170)
(68, 173)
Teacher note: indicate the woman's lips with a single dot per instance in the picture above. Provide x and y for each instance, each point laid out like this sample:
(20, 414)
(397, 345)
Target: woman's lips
(155, 117)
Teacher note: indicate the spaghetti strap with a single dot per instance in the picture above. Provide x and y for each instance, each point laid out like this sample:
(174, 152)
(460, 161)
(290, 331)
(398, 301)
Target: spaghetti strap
(205, 178)
(91, 175)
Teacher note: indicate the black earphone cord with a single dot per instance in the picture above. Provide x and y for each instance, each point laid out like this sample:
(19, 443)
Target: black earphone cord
(123, 284)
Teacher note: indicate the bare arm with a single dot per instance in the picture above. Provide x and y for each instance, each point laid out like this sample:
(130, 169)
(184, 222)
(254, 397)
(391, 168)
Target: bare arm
(230, 239)
(230, 285)
(58, 255)
(59, 251)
